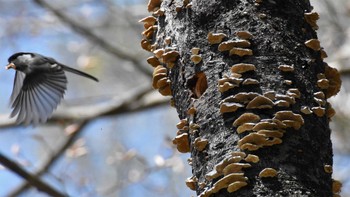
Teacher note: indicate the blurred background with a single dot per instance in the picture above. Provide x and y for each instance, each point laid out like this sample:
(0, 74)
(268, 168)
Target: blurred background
(113, 138)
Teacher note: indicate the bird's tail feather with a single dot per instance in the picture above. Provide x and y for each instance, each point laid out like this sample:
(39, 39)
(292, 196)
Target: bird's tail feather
(78, 72)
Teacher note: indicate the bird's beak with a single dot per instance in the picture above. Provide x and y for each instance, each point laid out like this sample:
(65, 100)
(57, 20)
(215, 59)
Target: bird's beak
(10, 65)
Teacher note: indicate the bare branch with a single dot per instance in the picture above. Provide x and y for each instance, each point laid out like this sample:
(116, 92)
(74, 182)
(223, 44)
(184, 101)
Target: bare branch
(87, 33)
(135, 100)
(52, 160)
(32, 180)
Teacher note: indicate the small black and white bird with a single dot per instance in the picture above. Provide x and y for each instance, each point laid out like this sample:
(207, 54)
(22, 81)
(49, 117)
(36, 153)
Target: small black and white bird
(39, 86)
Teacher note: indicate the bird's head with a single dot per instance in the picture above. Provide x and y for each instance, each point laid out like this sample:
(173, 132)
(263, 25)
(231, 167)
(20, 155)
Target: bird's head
(19, 61)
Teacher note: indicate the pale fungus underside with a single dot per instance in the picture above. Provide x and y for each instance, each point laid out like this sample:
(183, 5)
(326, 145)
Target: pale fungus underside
(243, 99)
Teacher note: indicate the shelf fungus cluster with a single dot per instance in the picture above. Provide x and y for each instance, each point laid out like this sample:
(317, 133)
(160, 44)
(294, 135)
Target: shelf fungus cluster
(231, 171)
(161, 81)
(328, 82)
(239, 46)
(255, 132)
(265, 132)
(163, 58)
(182, 140)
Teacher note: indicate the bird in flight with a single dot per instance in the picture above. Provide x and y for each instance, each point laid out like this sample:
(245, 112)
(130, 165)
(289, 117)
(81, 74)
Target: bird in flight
(39, 86)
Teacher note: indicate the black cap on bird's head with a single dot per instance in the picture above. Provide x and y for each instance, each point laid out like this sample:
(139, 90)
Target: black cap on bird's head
(12, 60)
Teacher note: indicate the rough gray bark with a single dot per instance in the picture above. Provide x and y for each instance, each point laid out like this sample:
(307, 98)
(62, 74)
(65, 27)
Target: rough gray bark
(302, 157)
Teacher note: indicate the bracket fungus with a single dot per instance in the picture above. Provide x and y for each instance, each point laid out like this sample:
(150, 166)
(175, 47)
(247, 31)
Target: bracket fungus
(153, 61)
(182, 124)
(192, 111)
(333, 76)
(244, 35)
(153, 5)
(158, 73)
(271, 133)
(265, 125)
(313, 44)
(159, 53)
(290, 119)
(323, 54)
(148, 21)
(235, 168)
(195, 50)
(288, 82)
(227, 86)
(289, 99)
(268, 172)
(146, 45)
(242, 97)
(167, 41)
(228, 82)
(289, 115)
(191, 182)
(323, 83)
(216, 38)
(182, 143)
(238, 153)
(159, 12)
(242, 68)
(320, 95)
(250, 147)
(320, 102)
(245, 127)
(319, 111)
(212, 175)
(260, 102)
(282, 103)
(228, 45)
(194, 126)
(311, 18)
(236, 186)
(246, 118)
(165, 90)
(226, 161)
(330, 112)
(306, 110)
(170, 56)
(270, 94)
(230, 107)
(252, 158)
(200, 143)
(250, 81)
(241, 51)
(227, 180)
(328, 169)
(294, 92)
(148, 33)
(336, 186)
(196, 59)
(252, 138)
(286, 68)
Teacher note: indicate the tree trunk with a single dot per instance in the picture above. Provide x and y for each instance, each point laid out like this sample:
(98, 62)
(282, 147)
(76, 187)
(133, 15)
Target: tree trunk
(252, 101)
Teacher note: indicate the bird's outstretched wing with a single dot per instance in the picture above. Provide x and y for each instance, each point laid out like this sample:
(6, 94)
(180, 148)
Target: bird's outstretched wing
(36, 95)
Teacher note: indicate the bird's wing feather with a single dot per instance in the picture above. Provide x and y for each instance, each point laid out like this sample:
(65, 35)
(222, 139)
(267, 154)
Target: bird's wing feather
(36, 95)
(17, 85)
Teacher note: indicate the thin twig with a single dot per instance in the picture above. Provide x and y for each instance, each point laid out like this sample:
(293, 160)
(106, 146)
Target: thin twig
(32, 180)
(52, 160)
(136, 102)
(87, 33)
